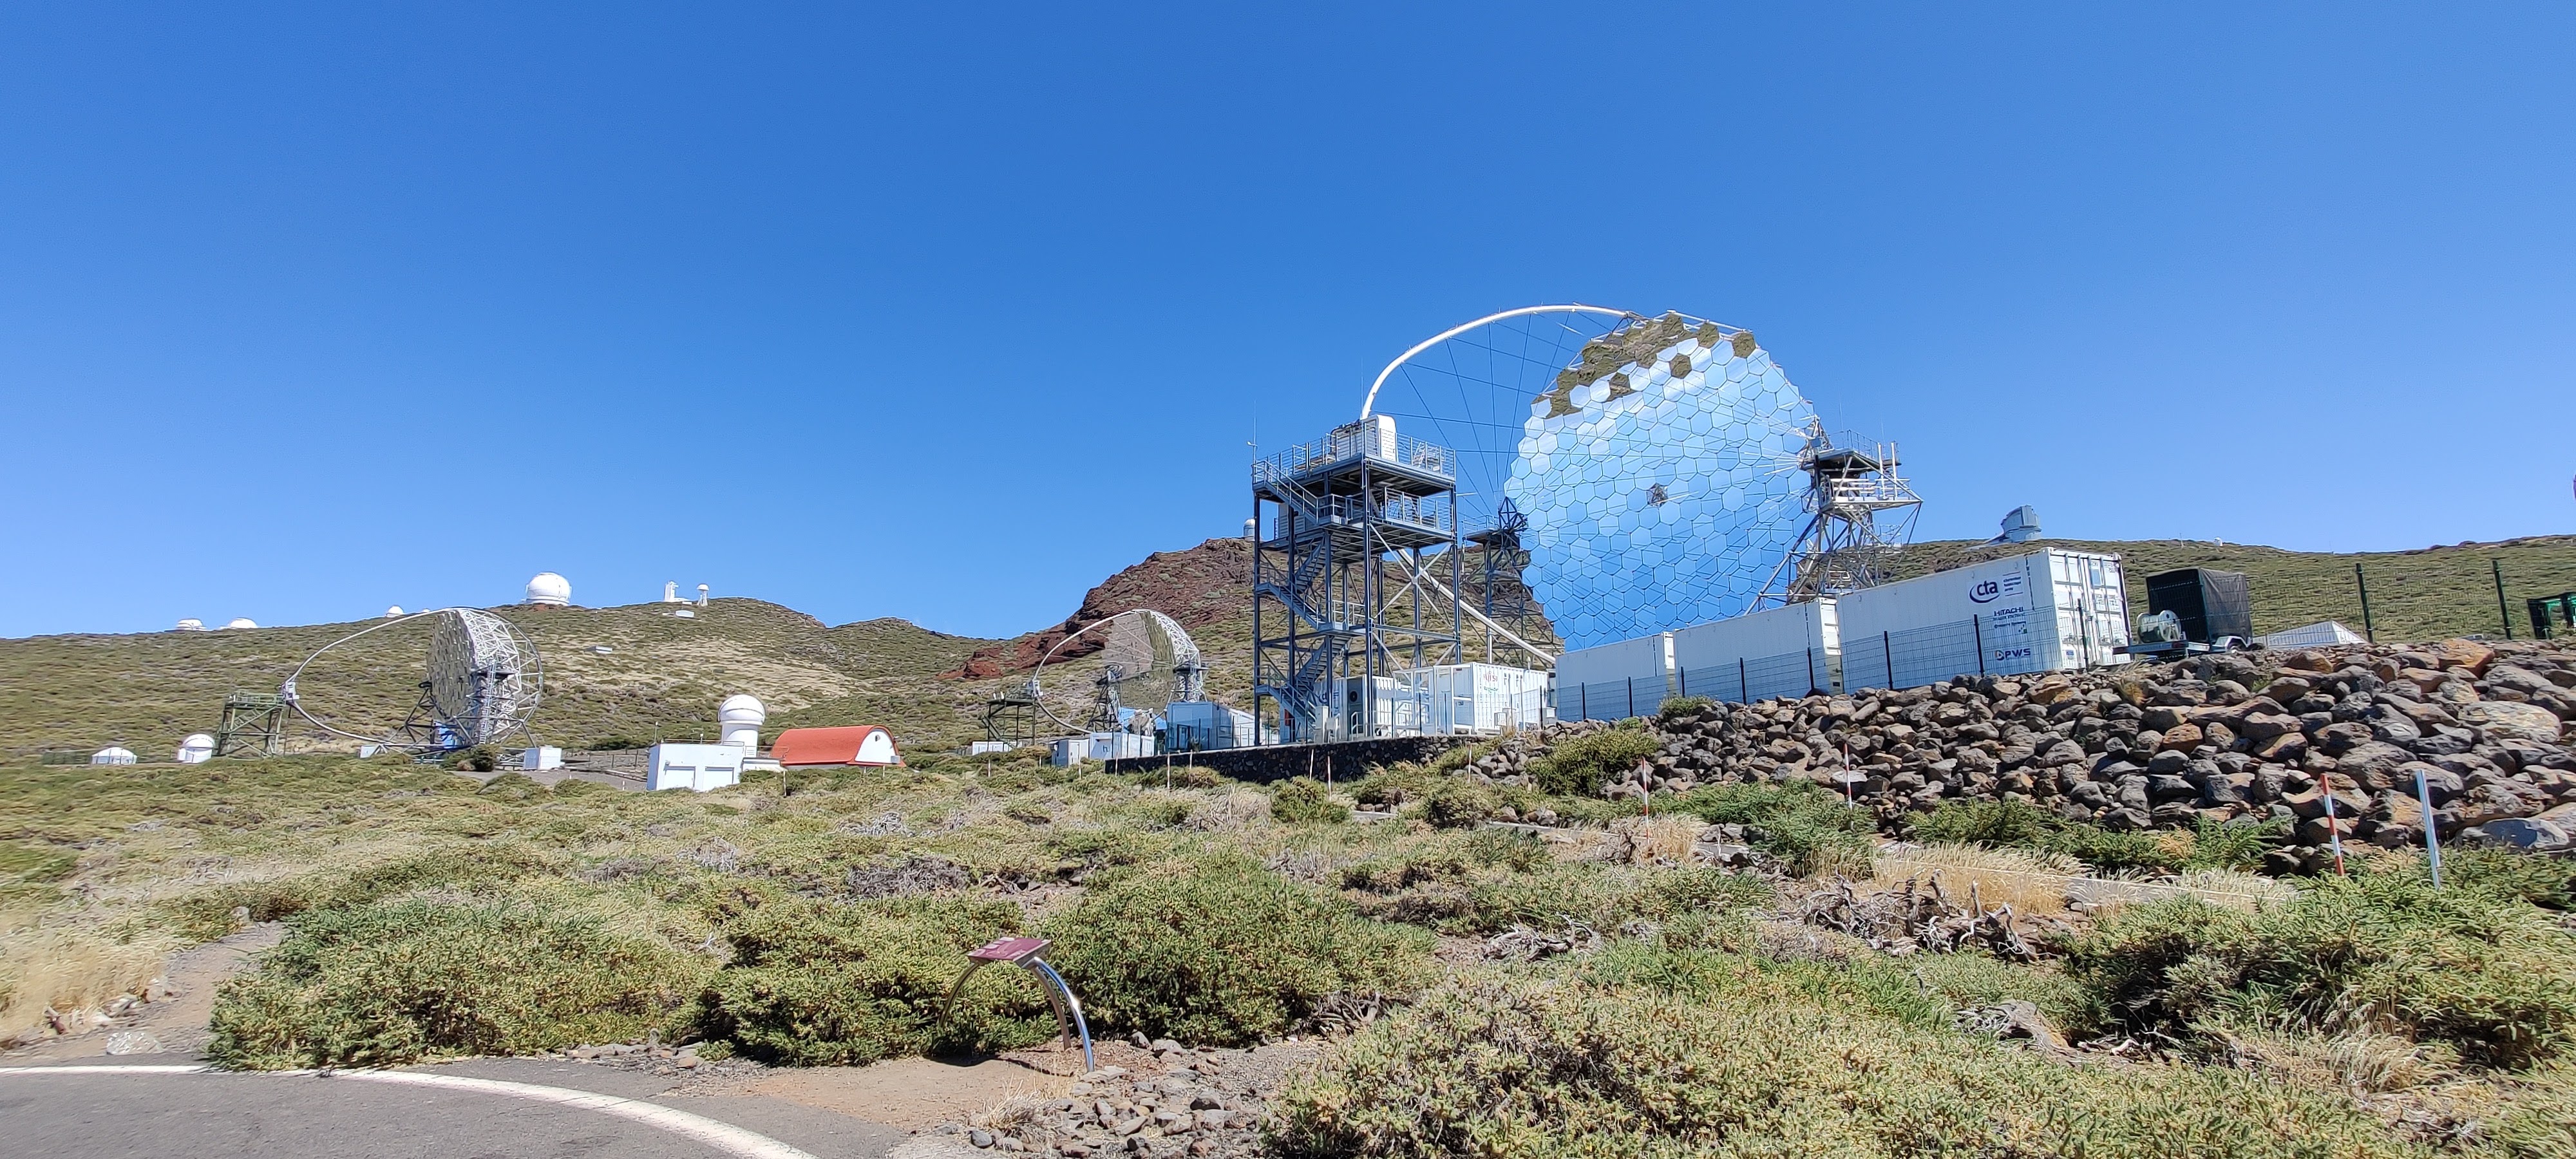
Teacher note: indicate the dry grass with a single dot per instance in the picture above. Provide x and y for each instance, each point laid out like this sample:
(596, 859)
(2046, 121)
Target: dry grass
(2038, 882)
(2029, 881)
(68, 969)
(1658, 840)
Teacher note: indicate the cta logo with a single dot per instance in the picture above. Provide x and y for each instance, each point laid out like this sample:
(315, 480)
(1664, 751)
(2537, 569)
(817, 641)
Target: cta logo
(1985, 591)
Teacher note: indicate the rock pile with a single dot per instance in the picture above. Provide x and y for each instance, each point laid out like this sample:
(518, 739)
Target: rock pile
(1190, 1109)
(2332, 739)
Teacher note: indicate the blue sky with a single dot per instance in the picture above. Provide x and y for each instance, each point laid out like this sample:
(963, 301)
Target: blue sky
(947, 313)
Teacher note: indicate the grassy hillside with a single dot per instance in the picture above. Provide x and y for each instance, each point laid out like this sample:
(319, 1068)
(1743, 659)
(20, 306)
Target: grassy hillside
(663, 676)
(2425, 594)
(658, 676)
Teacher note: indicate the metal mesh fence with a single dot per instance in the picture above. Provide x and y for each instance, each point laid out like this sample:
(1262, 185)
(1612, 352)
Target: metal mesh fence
(1609, 700)
(1758, 678)
(1931, 654)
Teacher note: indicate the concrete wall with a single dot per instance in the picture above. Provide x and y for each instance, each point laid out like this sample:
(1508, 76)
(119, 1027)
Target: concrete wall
(1350, 759)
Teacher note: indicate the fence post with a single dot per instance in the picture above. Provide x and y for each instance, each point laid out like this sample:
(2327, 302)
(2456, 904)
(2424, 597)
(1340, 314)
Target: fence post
(1811, 670)
(2501, 614)
(1583, 701)
(1685, 674)
(1742, 696)
(1977, 629)
(2432, 842)
(2367, 632)
(1887, 652)
(1632, 696)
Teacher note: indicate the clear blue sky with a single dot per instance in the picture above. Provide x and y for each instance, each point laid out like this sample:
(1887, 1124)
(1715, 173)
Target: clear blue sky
(946, 312)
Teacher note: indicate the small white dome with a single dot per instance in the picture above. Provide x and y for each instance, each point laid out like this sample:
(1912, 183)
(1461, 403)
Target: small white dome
(741, 708)
(196, 748)
(241, 622)
(393, 611)
(112, 755)
(549, 589)
(191, 624)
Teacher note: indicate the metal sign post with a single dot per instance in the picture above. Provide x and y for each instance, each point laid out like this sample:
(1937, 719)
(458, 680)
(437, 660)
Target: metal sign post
(1023, 952)
(2432, 841)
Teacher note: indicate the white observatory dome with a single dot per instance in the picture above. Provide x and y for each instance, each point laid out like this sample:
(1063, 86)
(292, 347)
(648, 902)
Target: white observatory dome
(393, 611)
(738, 721)
(196, 748)
(549, 590)
(241, 622)
(191, 624)
(112, 755)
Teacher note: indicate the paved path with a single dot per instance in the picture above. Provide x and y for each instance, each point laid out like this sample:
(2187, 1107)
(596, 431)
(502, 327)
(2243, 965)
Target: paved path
(492, 1109)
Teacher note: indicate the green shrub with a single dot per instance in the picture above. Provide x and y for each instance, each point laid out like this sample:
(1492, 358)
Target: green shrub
(1302, 801)
(1799, 822)
(1389, 786)
(1676, 707)
(207, 915)
(1223, 952)
(1517, 850)
(1459, 803)
(392, 983)
(2019, 823)
(1700, 1054)
(822, 985)
(481, 758)
(1460, 756)
(1577, 766)
(2501, 873)
(2496, 978)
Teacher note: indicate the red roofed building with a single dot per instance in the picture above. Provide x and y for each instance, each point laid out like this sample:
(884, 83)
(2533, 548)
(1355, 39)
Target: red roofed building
(861, 744)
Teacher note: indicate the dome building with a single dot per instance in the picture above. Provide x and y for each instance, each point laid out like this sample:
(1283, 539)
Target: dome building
(738, 721)
(195, 749)
(191, 624)
(549, 590)
(112, 755)
(240, 622)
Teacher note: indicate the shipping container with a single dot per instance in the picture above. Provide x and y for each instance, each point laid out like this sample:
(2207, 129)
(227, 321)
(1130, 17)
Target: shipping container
(1784, 651)
(1615, 681)
(1477, 699)
(2038, 612)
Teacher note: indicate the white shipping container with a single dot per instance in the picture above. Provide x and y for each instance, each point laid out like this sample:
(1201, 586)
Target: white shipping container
(2038, 612)
(692, 766)
(1479, 699)
(1713, 659)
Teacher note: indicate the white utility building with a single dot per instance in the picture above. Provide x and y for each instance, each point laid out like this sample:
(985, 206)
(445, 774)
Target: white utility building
(692, 766)
(548, 590)
(195, 749)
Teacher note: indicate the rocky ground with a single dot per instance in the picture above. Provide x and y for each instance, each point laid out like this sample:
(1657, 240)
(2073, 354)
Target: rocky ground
(2334, 740)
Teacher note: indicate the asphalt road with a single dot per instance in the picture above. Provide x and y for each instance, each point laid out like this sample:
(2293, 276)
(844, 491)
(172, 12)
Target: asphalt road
(502, 1109)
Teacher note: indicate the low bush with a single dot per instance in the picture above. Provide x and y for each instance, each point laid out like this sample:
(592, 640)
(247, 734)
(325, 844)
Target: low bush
(1578, 766)
(2210, 844)
(1224, 952)
(1812, 830)
(207, 914)
(1460, 803)
(1302, 801)
(2384, 952)
(391, 983)
(1389, 786)
(1704, 1054)
(823, 985)
(2504, 874)
(1676, 707)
